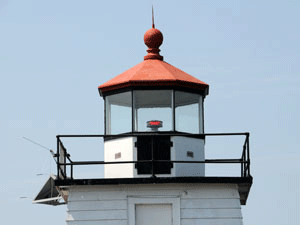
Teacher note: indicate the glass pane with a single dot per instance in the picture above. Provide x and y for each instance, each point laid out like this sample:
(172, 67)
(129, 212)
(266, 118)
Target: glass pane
(188, 112)
(154, 105)
(118, 113)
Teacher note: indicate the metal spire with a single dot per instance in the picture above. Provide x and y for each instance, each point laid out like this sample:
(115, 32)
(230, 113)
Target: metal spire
(153, 25)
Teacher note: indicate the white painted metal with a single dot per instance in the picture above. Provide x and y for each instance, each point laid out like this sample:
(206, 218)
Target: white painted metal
(204, 204)
(61, 159)
(221, 221)
(183, 145)
(149, 214)
(125, 150)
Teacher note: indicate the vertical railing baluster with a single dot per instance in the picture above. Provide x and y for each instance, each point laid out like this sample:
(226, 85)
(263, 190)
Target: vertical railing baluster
(65, 160)
(72, 171)
(245, 160)
(248, 155)
(242, 164)
(57, 155)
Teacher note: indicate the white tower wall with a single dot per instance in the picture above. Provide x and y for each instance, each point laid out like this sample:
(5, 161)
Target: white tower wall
(205, 204)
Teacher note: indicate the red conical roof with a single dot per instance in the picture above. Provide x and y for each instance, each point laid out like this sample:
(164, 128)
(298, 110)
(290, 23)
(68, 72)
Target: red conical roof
(153, 71)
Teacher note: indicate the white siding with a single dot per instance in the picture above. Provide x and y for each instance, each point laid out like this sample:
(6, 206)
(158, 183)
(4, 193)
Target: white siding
(97, 222)
(205, 204)
(215, 203)
(211, 222)
(97, 205)
(210, 213)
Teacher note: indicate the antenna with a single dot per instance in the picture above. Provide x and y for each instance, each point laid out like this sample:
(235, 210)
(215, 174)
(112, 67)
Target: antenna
(153, 25)
(42, 146)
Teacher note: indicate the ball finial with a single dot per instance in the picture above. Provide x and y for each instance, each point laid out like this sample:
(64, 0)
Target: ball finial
(153, 38)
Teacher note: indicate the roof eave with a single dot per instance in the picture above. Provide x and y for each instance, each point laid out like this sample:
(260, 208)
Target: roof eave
(203, 88)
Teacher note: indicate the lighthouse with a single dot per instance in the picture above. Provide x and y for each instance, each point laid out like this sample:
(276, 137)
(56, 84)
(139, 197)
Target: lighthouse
(154, 155)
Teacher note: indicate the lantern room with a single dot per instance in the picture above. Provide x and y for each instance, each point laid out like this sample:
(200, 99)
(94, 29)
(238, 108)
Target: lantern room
(153, 97)
(154, 110)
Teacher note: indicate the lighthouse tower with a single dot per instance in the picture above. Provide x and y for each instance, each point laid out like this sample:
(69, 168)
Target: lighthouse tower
(154, 155)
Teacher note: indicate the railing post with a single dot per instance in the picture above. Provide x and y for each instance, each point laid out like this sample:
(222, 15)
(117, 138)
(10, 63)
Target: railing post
(248, 154)
(245, 161)
(72, 171)
(65, 161)
(242, 163)
(57, 157)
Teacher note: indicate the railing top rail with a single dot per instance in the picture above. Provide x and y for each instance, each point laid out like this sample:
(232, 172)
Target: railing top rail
(154, 134)
(216, 161)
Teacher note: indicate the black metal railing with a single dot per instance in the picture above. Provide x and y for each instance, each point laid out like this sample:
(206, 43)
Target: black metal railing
(63, 158)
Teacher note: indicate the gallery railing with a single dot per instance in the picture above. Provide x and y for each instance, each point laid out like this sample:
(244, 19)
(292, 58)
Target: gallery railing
(63, 158)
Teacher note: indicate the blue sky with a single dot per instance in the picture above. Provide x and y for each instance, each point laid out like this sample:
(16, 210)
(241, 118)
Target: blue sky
(54, 54)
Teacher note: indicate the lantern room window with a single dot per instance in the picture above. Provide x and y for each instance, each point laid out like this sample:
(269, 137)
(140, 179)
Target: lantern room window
(118, 109)
(150, 106)
(188, 112)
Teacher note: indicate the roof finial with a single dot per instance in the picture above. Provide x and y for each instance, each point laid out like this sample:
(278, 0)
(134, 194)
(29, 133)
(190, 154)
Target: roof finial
(153, 39)
(153, 25)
